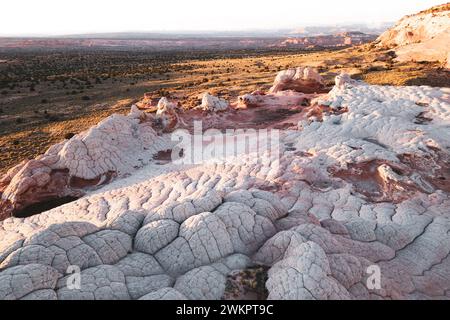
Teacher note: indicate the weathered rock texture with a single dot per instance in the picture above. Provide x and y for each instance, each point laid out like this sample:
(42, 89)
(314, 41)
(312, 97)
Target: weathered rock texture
(167, 115)
(301, 79)
(424, 36)
(115, 147)
(361, 182)
(213, 104)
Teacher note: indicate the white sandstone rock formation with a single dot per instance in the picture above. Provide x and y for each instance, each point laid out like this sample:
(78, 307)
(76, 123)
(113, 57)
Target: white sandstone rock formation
(301, 79)
(363, 185)
(167, 114)
(344, 79)
(213, 103)
(114, 147)
(424, 36)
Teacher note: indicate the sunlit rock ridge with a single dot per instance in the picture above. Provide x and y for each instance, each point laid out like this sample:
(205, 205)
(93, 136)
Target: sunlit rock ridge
(424, 36)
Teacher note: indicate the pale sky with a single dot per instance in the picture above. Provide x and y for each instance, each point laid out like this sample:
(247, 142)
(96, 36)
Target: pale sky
(57, 17)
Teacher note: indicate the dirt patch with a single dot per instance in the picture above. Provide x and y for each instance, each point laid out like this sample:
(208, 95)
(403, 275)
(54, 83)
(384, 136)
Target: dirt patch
(370, 182)
(247, 284)
(413, 173)
(435, 171)
(364, 177)
(267, 116)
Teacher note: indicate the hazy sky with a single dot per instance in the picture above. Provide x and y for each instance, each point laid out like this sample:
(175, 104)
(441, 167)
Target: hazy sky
(21, 17)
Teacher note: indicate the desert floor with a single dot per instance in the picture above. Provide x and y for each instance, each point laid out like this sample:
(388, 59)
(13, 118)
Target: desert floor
(53, 96)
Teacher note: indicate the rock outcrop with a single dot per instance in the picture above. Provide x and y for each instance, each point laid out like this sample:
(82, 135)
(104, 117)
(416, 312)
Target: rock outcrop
(301, 79)
(115, 147)
(167, 115)
(355, 204)
(213, 104)
(148, 102)
(261, 99)
(421, 37)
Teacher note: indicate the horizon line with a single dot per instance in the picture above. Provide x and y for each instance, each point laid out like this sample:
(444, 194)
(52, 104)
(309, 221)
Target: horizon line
(193, 31)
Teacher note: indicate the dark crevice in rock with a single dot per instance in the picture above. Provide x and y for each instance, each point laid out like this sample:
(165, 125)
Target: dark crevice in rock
(40, 207)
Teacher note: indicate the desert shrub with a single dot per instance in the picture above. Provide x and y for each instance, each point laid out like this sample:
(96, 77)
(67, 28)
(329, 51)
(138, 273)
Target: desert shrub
(391, 53)
(68, 135)
(51, 117)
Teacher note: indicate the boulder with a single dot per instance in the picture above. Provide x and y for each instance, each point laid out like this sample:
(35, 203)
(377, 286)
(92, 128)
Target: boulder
(301, 79)
(213, 103)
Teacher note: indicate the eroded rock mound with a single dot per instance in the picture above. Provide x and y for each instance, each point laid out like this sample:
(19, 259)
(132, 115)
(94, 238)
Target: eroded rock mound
(213, 104)
(301, 79)
(422, 37)
(114, 147)
(280, 99)
(167, 115)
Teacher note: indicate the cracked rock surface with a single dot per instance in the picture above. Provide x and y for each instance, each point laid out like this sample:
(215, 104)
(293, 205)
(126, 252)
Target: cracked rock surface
(114, 147)
(359, 187)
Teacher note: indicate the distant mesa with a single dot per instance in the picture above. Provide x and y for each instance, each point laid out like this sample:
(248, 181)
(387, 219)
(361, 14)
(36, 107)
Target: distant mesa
(312, 37)
(341, 39)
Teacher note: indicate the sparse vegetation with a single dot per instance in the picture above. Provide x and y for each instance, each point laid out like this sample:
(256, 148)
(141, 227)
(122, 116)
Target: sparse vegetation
(75, 89)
